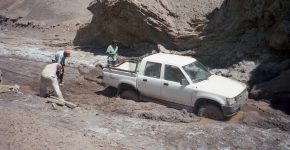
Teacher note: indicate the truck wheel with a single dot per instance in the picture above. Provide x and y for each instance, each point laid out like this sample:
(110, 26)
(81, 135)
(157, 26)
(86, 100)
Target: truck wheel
(130, 94)
(212, 111)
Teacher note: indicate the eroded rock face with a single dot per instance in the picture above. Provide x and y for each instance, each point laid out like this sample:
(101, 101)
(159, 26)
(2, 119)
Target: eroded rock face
(271, 17)
(172, 23)
(185, 24)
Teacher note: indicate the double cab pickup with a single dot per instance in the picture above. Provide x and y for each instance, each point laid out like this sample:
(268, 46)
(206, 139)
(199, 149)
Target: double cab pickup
(179, 80)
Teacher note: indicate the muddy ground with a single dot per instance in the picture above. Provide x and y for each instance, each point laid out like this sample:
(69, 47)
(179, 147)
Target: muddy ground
(103, 121)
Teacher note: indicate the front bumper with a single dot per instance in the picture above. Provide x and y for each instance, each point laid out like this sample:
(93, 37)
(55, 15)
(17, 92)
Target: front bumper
(233, 109)
(230, 111)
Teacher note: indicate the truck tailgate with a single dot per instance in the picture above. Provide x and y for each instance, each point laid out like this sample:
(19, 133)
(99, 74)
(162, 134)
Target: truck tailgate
(114, 77)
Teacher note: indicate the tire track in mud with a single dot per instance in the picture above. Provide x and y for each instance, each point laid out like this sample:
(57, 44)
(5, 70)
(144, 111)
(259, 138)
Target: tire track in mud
(15, 73)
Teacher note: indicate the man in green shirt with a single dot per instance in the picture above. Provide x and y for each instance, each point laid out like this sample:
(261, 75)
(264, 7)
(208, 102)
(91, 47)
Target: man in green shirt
(112, 53)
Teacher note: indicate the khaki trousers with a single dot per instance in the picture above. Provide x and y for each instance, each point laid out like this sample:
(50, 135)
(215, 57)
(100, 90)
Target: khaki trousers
(46, 81)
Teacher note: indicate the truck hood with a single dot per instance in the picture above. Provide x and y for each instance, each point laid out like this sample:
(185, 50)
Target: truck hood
(221, 86)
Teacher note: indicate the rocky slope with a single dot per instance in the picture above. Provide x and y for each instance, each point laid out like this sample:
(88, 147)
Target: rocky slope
(44, 11)
(268, 17)
(257, 31)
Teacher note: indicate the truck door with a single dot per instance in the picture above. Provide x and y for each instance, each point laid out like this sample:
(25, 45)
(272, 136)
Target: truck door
(149, 83)
(172, 90)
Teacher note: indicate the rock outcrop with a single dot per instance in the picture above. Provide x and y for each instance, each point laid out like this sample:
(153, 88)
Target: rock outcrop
(185, 24)
(175, 24)
(270, 17)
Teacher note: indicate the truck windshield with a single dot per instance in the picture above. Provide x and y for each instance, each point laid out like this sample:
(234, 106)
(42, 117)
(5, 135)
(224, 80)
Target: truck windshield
(196, 71)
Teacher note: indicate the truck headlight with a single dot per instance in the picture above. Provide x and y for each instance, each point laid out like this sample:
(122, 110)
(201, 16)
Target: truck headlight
(231, 101)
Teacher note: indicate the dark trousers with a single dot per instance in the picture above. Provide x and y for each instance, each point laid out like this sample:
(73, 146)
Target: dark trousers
(60, 75)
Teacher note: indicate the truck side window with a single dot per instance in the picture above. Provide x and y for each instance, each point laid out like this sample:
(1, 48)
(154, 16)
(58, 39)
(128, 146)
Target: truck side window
(173, 73)
(152, 69)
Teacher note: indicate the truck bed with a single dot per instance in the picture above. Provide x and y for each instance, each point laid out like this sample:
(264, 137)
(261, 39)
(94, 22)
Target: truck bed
(125, 72)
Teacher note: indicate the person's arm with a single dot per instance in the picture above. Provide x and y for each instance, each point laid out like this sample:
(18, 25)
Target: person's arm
(116, 49)
(108, 49)
(56, 58)
(62, 62)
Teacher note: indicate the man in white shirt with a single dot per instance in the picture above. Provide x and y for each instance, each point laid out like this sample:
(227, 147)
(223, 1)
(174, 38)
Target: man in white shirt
(49, 77)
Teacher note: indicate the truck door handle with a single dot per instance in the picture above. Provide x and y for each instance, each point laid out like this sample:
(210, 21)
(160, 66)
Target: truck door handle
(166, 84)
(145, 80)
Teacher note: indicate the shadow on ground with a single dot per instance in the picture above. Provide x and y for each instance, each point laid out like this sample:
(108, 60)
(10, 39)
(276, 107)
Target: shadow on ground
(108, 92)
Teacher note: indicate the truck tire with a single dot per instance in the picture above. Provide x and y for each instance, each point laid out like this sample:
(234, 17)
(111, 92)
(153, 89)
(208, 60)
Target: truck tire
(130, 94)
(212, 111)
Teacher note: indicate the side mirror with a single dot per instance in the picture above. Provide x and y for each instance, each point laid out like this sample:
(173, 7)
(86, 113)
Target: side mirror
(183, 82)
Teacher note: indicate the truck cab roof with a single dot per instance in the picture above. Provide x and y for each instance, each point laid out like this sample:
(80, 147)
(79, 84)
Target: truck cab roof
(170, 59)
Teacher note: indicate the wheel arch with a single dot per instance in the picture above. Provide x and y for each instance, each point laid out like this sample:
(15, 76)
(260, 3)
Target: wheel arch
(209, 96)
(201, 101)
(125, 86)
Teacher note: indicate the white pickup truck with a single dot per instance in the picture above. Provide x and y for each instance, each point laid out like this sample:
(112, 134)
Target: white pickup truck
(180, 80)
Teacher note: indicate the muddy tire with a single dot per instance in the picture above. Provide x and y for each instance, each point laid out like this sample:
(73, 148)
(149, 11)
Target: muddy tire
(130, 94)
(212, 111)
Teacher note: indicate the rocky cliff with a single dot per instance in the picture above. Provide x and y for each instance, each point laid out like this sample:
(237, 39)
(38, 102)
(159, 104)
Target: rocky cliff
(270, 17)
(185, 24)
(175, 24)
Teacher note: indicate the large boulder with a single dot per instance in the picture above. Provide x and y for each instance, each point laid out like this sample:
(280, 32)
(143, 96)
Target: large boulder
(186, 24)
(172, 23)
